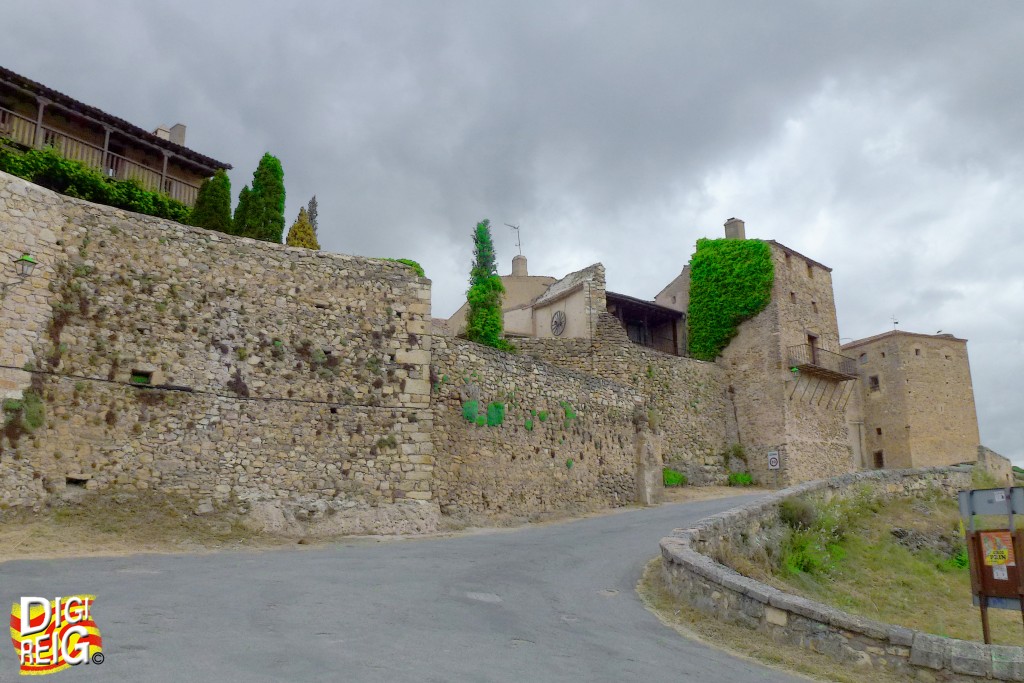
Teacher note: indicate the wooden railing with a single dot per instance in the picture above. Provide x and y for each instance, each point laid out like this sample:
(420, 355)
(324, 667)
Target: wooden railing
(22, 130)
(815, 361)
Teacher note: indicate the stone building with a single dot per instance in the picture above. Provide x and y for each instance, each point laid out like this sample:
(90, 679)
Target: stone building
(35, 116)
(521, 290)
(916, 401)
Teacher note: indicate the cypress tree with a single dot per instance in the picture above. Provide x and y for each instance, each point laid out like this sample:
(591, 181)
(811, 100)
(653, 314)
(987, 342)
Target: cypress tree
(484, 322)
(312, 211)
(264, 212)
(301, 233)
(242, 211)
(213, 204)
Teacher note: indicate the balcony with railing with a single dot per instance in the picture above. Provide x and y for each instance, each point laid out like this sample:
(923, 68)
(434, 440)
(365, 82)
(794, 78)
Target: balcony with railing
(23, 131)
(811, 360)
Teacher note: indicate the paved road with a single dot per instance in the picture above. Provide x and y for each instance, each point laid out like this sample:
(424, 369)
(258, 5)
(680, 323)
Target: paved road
(551, 603)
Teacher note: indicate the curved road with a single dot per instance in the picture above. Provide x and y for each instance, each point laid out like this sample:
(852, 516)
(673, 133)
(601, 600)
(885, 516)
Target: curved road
(547, 603)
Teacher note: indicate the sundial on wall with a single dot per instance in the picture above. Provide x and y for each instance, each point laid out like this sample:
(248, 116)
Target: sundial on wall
(558, 323)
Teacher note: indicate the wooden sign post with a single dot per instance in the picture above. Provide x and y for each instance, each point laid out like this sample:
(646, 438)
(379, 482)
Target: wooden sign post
(993, 554)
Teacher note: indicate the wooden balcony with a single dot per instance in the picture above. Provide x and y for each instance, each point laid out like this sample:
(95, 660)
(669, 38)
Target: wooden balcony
(23, 131)
(811, 360)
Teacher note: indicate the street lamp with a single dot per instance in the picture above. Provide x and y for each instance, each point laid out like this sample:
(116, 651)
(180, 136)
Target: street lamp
(24, 267)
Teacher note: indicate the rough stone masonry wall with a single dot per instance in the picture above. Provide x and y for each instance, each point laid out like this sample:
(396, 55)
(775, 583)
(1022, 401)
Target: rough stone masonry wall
(686, 398)
(306, 374)
(689, 571)
(566, 441)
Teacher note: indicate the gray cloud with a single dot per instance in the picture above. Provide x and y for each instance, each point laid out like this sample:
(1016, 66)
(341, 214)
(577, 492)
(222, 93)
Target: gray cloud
(882, 139)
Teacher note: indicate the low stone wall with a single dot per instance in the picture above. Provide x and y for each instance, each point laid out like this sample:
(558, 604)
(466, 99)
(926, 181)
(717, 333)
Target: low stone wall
(689, 571)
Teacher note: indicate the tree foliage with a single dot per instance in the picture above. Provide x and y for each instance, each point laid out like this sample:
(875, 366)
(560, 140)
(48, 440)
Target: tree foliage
(484, 322)
(262, 212)
(301, 233)
(241, 211)
(313, 210)
(730, 281)
(213, 204)
(47, 167)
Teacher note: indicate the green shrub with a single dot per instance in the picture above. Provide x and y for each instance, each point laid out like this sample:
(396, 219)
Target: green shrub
(730, 281)
(528, 425)
(495, 414)
(542, 416)
(484, 322)
(470, 410)
(797, 513)
(408, 262)
(48, 168)
(809, 552)
(740, 479)
(671, 477)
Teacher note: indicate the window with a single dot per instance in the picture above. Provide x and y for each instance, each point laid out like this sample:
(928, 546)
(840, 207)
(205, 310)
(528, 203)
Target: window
(878, 431)
(873, 383)
(142, 377)
(787, 261)
(917, 352)
(814, 306)
(792, 297)
(879, 460)
(810, 271)
(883, 354)
(863, 358)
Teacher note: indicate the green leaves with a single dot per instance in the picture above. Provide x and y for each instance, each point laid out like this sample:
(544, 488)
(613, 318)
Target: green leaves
(301, 233)
(48, 168)
(260, 211)
(484, 323)
(730, 281)
(213, 204)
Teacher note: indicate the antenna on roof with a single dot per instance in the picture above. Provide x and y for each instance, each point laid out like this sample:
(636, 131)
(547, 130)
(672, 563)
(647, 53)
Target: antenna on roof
(519, 243)
(895, 322)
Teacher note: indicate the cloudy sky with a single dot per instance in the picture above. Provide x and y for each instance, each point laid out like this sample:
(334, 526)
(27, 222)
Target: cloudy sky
(883, 139)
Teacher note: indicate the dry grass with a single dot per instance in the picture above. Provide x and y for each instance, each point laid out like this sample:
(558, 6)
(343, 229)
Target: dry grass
(741, 641)
(124, 522)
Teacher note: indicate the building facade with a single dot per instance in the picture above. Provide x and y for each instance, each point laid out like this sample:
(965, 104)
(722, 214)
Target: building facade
(916, 401)
(33, 116)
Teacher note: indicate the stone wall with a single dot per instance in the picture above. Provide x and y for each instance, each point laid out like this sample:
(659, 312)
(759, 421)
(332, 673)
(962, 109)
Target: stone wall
(516, 436)
(684, 397)
(689, 571)
(302, 378)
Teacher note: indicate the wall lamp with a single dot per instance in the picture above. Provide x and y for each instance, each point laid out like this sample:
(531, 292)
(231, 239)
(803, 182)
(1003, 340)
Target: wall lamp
(24, 267)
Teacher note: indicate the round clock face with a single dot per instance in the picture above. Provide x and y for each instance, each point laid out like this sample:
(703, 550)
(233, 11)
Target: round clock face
(558, 323)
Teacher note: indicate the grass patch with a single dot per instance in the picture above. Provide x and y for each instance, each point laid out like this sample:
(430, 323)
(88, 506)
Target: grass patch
(671, 477)
(846, 555)
(740, 479)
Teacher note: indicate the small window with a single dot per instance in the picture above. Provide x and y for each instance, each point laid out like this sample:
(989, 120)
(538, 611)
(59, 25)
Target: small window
(948, 357)
(873, 383)
(883, 354)
(917, 352)
(878, 431)
(814, 306)
(810, 271)
(863, 358)
(141, 377)
(788, 264)
(792, 297)
(879, 460)
(673, 298)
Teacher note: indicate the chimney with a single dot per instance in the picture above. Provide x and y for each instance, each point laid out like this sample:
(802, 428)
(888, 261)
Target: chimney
(178, 134)
(519, 266)
(163, 133)
(735, 229)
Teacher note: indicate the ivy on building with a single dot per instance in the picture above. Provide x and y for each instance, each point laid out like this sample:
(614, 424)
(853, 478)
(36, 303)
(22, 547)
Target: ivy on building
(46, 167)
(730, 281)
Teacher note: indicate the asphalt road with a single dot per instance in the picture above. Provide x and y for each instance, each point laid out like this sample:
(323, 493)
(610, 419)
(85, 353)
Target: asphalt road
(547, 603)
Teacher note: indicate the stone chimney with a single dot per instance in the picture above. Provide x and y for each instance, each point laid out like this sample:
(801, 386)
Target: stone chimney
(178, 134)
(163, 132)
(735, 229)
(519, 266)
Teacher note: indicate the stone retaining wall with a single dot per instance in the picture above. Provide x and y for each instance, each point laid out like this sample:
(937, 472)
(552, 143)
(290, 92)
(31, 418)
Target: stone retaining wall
(690, 572)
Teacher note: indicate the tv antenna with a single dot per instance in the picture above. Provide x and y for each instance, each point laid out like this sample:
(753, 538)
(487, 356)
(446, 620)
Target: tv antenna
(895, 322)
(519, 243)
